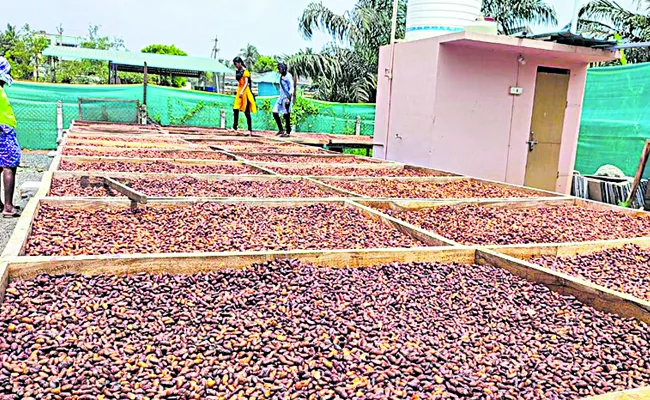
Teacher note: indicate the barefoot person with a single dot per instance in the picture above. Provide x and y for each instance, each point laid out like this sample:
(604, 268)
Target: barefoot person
(9, 148)
(285, 101)
(244, 99)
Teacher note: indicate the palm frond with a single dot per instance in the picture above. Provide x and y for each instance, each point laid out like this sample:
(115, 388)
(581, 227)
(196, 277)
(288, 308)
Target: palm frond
(318, 17)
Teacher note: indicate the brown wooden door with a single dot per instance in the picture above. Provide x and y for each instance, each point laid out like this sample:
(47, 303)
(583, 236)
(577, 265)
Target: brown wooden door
(546, 128)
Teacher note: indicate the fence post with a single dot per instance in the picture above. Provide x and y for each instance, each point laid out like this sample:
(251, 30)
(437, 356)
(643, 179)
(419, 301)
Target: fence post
(357, 126)
(59, 121)
(144, 116)
(223, 119)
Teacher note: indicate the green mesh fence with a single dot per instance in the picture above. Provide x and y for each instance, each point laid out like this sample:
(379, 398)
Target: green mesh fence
(615, 118)
(35, 107)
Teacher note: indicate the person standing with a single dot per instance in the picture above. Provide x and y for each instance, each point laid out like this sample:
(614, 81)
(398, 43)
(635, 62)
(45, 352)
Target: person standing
(10, 153)
(284, 104)
(244, 99)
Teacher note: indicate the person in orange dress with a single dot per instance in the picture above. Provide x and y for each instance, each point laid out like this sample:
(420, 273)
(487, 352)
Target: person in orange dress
(244, 99)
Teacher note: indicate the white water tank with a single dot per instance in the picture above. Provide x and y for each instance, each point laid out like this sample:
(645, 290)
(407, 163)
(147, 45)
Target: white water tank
(429, 18)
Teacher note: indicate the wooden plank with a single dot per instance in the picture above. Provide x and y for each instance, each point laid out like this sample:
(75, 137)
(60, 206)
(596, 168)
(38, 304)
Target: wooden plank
(598, 297)
(336, 194)
(538, 195)
(16, 244)
(414, 205)
(413, 231)
(634, 394)
(125, 190)
(528, 251)
(125, 156)
(4, 280)
(190, 263)
(128, 145)
(639, 172)
(84, 159)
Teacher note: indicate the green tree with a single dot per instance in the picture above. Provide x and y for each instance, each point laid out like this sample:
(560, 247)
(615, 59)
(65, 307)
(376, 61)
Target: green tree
(609, 20)
(513, 16)
(169, 50)
(249, 54)
(264, 64)
(346, 69)
(24, 48)
(89, 71)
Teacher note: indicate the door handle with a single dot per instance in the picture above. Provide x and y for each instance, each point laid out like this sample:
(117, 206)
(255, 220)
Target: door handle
(531, 141)
(397, 136)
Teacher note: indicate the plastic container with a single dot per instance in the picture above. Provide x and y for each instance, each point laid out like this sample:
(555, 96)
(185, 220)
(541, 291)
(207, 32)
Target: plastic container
(430, 18)
(485, 26)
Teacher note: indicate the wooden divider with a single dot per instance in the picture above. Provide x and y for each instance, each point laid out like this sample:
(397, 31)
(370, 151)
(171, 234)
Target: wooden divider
(535, 194)
(126, 176)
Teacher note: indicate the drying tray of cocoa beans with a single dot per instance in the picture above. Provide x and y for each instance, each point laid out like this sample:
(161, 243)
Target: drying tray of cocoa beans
(352, 170)
(126, 138)
(430, 188)
(449, 323)
(95, 127)
(622, 266)
(310, 159)
(113, 164)
(72, 227)
(206, 187)
(128, 145)
(149, 153)
(513, 222)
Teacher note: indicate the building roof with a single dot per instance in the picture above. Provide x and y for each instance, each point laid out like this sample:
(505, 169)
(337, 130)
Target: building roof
(129, 61)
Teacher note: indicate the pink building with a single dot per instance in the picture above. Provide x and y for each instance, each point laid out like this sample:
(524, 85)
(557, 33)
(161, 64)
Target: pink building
(494, 107)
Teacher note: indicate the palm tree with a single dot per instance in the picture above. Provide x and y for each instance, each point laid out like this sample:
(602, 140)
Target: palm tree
(250, 54)
(513, 16)
(607, 19)
(346, 69)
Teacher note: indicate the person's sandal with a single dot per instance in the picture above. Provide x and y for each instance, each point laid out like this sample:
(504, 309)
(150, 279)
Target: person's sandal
(15, 214)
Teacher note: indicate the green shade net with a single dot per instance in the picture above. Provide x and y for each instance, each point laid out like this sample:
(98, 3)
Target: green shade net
(615, 119)
(35, 108)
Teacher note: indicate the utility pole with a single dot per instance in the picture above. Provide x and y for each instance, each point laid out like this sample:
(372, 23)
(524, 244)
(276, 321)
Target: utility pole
(215, 49)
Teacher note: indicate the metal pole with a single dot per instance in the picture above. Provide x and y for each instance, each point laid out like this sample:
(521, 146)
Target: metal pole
(144, 84)
(393, 28)
(576, 15)
(223, 119)
(59, 121)
(357, 126)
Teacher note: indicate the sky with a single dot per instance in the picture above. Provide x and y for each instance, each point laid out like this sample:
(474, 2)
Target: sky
(190, 24)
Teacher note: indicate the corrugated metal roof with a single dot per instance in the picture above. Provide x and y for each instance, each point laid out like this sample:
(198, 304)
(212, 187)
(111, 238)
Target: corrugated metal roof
(132, 59)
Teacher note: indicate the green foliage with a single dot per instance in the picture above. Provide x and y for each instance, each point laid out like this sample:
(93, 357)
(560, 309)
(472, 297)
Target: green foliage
(607, 19)
(264, 64)
(346, 70)
(249, 54)
(302, 109)
(169, 50)
(89, 71)
(190, 112)
(23, 49)
(514, 16)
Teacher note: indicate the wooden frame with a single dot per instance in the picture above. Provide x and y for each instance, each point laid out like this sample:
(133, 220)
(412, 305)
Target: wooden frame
(49, 176)
(396, 166)
(81, 159)
(543, 195)
(19, 239)
(360, 159)
(414, 205)
(100, 149)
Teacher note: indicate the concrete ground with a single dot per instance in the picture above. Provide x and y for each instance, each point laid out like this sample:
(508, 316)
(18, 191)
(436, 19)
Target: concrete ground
(33, 165)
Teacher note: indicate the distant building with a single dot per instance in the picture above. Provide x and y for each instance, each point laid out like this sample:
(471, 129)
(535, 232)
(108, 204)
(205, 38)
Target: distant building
(268, 84)
(62, 40)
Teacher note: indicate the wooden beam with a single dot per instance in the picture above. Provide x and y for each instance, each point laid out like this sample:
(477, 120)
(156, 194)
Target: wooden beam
(591, 294)
(639, 172)
(125, 190)
(191, 263)
(634, 394)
